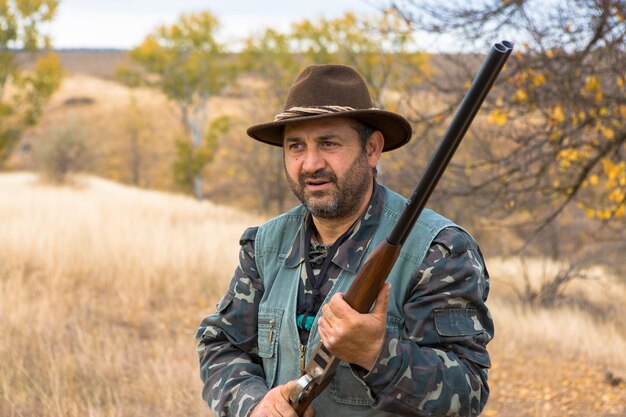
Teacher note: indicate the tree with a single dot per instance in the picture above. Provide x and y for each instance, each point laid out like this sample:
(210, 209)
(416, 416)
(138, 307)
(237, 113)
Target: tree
(191, 160)
(566, 87)
(379, 47)
(554, 143)
(187, 63)
(136, 125)
(23, 93)
(270, 57)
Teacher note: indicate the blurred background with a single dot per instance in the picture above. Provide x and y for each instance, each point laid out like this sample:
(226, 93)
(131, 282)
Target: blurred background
(126, 179)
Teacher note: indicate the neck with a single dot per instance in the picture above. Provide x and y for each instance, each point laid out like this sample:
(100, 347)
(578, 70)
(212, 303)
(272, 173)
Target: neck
(330, 229)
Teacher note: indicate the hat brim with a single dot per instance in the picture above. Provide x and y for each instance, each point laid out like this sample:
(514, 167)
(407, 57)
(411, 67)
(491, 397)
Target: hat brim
(395, 128)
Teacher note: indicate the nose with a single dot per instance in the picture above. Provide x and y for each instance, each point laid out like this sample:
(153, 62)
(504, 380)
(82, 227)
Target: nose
(313, 160)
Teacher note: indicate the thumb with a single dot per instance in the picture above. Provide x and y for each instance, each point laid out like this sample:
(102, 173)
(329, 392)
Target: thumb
(286, 389)
(382, 300)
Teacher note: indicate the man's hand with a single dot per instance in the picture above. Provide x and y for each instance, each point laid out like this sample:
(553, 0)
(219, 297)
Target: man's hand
(276, 403)
(353, 337)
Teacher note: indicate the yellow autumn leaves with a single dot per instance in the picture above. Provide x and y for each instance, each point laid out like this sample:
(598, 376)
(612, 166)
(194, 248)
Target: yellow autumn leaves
(579, 126)
(609, 183)
(613, 181)
(498, 117)
(526, 81)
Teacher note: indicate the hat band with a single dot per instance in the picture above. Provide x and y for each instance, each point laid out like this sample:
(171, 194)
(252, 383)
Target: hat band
(313, 111)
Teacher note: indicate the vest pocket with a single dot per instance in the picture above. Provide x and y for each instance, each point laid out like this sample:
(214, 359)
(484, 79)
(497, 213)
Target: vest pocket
(345, 388)
(457, 322)
(269, 326)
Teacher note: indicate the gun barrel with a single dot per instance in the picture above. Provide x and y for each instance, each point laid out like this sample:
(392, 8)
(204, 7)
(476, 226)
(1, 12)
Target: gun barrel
(484, 79)
(373, 273)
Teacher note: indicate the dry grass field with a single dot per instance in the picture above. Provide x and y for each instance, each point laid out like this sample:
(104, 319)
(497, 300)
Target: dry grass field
(101, 290)
(103, 285)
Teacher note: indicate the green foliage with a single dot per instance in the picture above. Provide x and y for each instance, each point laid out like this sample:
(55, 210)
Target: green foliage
(191, 160)
(8, 140)
(271, 56)
(37, 86)
(381, 48)
(186, 62)
(128, 75)
(20, 21)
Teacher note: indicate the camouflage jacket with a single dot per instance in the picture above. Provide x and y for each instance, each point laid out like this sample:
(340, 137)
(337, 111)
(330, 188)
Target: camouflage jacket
(444, 367)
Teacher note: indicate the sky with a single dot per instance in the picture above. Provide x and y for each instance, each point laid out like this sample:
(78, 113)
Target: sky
(123, 24)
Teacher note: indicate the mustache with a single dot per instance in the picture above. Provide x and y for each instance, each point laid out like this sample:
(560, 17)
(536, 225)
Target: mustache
(320, 174)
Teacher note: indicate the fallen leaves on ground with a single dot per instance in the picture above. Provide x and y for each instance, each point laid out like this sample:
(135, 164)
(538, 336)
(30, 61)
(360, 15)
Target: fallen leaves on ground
(545, 383)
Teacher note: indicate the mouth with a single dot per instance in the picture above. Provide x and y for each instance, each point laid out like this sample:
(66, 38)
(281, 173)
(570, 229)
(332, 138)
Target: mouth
(318, 184)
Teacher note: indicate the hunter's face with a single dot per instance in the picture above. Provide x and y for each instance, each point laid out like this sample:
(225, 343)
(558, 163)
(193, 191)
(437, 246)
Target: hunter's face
(327, 167)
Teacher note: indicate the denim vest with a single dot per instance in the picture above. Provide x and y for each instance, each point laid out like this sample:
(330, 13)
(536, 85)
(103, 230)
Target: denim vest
(278, 340)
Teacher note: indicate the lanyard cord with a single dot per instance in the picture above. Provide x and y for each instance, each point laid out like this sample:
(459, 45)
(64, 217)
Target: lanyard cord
(318, 281)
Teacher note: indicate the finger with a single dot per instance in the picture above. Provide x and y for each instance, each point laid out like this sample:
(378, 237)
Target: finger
(322, 324)
(322, 333)
(327, 313)
(382, 300)
(323, 329)
(339, 307)
(286, 389)
(326, 332)
(283, 407)
(309, 412)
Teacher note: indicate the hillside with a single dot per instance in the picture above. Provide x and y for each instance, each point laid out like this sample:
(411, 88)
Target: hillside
(100, 63)
(104, 115)
(129, 134)
(102, 286)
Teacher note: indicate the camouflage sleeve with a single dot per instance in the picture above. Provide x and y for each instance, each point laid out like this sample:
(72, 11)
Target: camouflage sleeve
(437, 364)
(229, 366)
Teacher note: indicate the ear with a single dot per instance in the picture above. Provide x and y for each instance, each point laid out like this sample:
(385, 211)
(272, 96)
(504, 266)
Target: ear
(374, 147)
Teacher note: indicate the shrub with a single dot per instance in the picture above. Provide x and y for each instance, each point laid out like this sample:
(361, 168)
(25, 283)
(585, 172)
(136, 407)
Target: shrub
(62, 154)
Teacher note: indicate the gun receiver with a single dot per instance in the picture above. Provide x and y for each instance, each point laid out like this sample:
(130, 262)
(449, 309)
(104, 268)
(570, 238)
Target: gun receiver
(371, 277)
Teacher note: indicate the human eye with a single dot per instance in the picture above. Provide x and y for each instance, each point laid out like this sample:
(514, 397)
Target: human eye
(295, 146)
(330, 144)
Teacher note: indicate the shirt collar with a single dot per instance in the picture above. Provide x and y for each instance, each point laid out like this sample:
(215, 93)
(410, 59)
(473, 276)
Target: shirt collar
(350, 253)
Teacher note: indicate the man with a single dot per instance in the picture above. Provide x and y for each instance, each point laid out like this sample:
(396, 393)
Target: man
(420, 351)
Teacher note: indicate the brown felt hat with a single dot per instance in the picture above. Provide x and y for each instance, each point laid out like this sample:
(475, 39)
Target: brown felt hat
(323, 91)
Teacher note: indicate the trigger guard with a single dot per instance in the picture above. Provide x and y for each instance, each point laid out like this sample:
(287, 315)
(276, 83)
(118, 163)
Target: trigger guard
(303, 387)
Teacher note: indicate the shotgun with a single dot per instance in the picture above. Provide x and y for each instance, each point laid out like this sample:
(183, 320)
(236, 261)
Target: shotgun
(371, 277)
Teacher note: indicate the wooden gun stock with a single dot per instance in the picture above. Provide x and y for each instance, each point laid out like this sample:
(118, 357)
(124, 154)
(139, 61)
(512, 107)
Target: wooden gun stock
(372, 275)
(360, 296)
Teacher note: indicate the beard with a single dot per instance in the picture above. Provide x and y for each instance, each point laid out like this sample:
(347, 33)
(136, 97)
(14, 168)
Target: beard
(345, 196)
